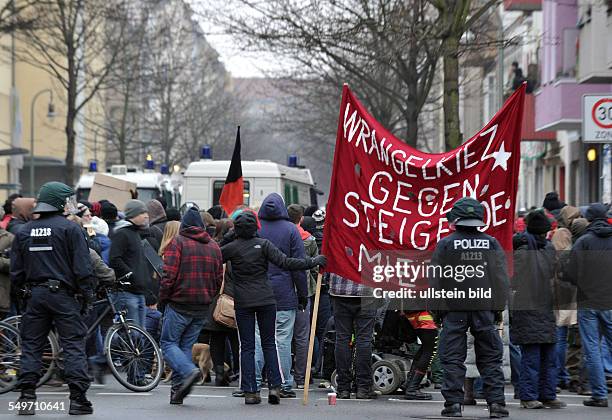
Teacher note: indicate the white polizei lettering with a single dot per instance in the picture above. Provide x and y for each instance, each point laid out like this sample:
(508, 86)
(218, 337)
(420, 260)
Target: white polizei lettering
(399, 196)
(409, 163)
(492, 131)
(398, 165)
(423, 235)
(350, 121)
(440, 166)
(361, 138)
(424, 167)
(351, 209)
(472, 191)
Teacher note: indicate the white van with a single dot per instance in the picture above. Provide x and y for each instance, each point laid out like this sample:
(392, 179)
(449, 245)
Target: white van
(150, 184)
(203, 182)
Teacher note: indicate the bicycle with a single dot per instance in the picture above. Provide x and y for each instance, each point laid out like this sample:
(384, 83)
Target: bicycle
(133, 356)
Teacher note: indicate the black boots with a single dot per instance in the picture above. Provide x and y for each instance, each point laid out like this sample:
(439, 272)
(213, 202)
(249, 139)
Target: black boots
(274, 396)
(221, 378)
(79, 404)
(174, 398)
(27, 402)
(497, 411)
(451, 410)
(413, 386)
(252, 398)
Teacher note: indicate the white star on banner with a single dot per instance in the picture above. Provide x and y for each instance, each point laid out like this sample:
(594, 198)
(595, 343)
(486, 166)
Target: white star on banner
(501, 158)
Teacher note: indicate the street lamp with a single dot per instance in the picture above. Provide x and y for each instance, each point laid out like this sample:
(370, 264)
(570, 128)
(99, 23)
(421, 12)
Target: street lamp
(50, 115)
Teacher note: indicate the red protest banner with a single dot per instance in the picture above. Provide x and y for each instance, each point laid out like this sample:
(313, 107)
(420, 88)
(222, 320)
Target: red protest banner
(387, 196)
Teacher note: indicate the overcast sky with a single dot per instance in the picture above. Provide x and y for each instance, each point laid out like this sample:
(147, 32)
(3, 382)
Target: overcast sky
(239, 63)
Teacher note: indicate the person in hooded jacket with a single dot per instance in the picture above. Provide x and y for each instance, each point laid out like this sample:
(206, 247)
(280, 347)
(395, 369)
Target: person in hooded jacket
(22, 214)
(254, 298)
(193, 272)
(157, 219)
(290, 287)
(100, 227)
(589, 269)
(533, 323)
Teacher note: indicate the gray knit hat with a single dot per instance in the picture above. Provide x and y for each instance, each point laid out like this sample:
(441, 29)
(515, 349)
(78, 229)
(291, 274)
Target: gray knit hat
(134, 208)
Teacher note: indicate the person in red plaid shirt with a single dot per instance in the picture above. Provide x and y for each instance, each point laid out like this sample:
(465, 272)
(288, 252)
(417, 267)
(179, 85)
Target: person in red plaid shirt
(193, 272)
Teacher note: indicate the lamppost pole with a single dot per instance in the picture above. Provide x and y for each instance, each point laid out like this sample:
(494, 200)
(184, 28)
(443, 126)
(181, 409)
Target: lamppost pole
(50, 111)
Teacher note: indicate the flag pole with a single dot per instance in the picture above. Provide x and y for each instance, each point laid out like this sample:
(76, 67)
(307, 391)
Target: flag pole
(313, 330)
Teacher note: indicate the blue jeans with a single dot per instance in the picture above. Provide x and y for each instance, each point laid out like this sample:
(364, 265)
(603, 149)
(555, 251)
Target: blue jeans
(595, 326)
(285, 321)
(563, 374)
(515, 366)
(179, 334)
(134, 304)
(538, 378)
(266, 319)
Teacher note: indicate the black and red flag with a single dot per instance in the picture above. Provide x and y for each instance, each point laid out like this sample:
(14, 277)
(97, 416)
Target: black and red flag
(232, 195)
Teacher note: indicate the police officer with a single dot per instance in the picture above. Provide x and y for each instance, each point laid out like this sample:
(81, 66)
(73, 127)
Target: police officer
(50, 258)
(476, 261)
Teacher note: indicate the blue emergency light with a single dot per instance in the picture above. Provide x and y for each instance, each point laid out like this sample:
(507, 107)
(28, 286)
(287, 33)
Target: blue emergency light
(164, 169)
(206, 152)
(292, 161)
(93, 166)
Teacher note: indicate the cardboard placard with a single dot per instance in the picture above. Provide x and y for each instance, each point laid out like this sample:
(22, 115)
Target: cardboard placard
(116, 190)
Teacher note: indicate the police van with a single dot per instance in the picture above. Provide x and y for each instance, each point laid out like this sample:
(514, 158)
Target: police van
(149, 183)
(204, 180)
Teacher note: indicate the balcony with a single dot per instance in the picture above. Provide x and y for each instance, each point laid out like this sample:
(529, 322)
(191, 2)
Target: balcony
(522, 5)
(593, 51)
(558, 104)
(528, 130)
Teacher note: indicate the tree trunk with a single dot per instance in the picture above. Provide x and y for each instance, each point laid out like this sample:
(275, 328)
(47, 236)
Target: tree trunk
(412, 128)
(452, 129)
(71, 115)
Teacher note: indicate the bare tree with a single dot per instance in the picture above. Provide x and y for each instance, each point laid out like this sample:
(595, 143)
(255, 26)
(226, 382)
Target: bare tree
(70, 41)
(385, 49)
(18, 14)
(455, 18)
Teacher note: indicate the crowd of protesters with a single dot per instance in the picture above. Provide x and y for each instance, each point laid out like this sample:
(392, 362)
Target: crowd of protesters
(267, 260)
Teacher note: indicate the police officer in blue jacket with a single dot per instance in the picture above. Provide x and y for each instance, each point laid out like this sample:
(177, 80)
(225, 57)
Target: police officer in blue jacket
(50, 259)
(477, 262)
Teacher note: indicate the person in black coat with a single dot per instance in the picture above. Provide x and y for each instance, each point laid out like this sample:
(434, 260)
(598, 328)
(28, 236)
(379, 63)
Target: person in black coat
(254, 298)
(533, 324)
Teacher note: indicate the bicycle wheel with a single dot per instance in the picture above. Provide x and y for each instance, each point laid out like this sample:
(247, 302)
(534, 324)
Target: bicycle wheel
(50, 358)
(10, 354)
(134, 357)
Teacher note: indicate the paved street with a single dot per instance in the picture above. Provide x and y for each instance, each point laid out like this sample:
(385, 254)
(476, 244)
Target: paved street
(111, 401)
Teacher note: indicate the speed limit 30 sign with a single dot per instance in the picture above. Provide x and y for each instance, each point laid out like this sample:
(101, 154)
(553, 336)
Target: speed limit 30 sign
(597, 118)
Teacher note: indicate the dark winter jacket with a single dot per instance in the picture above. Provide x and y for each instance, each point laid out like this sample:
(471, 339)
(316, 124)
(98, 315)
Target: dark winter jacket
(532, 316)
(249, 259)
(276, 227)
(590, 266)
(126, 255)
(6, 239)
(193, 272)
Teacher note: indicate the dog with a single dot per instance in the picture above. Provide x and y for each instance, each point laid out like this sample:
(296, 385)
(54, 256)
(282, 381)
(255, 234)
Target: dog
(200, 355)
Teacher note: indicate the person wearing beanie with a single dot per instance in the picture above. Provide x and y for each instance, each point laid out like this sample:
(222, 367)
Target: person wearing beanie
(254, 298)
(193, 273)
(173, 214)
(108, 213)
(533, 323)
(589, 270)
(128, 260)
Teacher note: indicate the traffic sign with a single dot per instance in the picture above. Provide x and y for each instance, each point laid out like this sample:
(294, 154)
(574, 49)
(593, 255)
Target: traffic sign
(597, 118)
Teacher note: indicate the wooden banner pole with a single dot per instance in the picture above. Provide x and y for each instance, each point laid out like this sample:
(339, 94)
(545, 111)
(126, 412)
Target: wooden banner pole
(313, 329)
